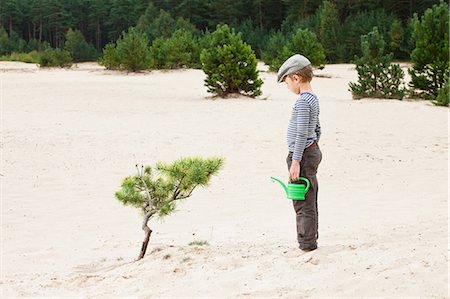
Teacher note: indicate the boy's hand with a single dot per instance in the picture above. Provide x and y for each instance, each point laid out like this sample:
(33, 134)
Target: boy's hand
(294, 171)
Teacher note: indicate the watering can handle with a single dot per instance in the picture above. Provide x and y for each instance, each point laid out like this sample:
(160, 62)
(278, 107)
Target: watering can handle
(307, 183)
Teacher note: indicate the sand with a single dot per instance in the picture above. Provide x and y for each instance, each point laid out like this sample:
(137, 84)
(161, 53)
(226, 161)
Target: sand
(70, 136)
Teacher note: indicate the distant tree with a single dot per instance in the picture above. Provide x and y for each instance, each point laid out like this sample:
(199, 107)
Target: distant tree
(17, 43)
(179, 50)
(97, 20)
(11, 42)
(329, 30)
(197, 11)
(359, 24)
(5, 45)
(253, 35)
(77, 46)
(298, 10)
(303, 41)
(132, 51)
(56, 22)
(431, 55)
(157, 193)
(377, 76)
(396, 37)
(123, 14)
(160, 25)
(271, 54)
(230, 65)
(10, 14)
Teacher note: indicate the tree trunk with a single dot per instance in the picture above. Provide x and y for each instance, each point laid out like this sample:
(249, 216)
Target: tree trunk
(40, 30)
(148, 232)
(144, 244)
(98, 35)
(260, 15)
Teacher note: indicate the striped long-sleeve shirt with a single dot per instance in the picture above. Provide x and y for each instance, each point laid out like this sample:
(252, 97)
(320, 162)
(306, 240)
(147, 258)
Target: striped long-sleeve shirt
(304, 126)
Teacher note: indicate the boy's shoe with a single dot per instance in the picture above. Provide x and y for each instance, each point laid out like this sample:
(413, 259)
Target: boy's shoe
(308, 249)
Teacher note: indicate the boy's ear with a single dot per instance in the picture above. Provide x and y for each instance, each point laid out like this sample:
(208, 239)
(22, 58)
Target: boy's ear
(296, 78)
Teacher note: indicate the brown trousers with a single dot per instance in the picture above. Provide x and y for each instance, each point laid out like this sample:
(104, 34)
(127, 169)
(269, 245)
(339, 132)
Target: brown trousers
(307, 215)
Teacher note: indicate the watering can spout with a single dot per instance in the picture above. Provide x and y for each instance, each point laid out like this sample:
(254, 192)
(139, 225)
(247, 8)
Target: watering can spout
(282, 184)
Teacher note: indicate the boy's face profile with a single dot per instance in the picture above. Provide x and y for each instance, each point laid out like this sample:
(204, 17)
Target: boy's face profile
(293, 83)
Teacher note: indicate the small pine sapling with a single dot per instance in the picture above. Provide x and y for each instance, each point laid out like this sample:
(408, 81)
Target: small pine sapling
(157, 194)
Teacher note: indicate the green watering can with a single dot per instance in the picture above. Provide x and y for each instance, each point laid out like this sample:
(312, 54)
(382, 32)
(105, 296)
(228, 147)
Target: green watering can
(295, 191)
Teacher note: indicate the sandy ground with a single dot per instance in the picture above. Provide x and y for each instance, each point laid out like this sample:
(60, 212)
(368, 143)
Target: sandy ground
(70, 136)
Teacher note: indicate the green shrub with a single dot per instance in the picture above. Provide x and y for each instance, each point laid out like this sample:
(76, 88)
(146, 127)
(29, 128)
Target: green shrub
(78, 47)
(443, 96)
(130, 53)
(180, 50)
(230, 65)
(109, 58)
(431, 55)
(31, 57)
(377, 76)
(55, 58)
(303, 41)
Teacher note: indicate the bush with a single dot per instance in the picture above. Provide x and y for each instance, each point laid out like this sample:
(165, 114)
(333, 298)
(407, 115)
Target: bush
(377, 77)
(31, 57)
(180, 50)
(230, 65)
(303, 41)
(443, 96)
(78, 47)
(431, 55)
(109, 58)
(131, 52)
(55, 57)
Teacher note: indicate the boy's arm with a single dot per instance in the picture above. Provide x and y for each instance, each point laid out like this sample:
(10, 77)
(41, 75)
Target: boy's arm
(302, 130)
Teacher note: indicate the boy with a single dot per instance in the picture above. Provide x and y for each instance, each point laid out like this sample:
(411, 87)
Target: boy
(304, 153)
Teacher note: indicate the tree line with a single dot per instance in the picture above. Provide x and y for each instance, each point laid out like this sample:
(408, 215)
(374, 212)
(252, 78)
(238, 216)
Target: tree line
(33, 24)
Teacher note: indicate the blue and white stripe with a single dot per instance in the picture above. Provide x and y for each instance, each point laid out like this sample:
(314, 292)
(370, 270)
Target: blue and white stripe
(304, 126)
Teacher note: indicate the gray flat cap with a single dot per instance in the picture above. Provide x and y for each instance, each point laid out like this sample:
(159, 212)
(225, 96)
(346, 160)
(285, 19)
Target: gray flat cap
(291, 65)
